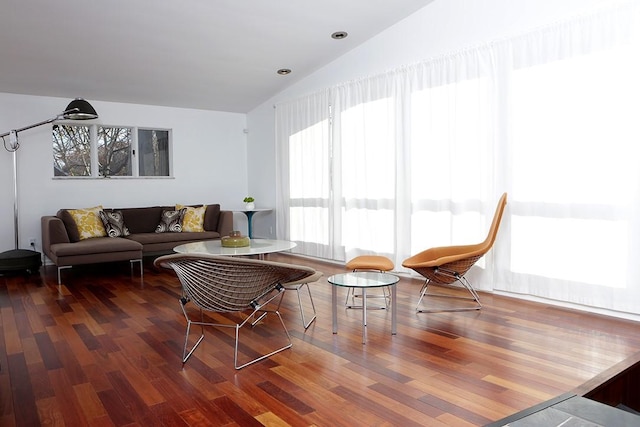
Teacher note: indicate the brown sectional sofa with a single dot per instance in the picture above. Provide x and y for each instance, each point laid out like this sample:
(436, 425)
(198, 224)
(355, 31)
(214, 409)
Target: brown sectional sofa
(62, 245)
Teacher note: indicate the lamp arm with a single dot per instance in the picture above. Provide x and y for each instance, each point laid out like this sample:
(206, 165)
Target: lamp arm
(33, 126)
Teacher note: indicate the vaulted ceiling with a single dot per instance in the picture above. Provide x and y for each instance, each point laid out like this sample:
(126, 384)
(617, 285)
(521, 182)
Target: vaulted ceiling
(206, 54)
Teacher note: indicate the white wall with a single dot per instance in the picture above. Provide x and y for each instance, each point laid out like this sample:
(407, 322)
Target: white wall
(442, 27)
(209, 163)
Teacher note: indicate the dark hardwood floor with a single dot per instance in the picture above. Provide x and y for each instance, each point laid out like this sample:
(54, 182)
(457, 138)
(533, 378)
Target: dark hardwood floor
(104, 349)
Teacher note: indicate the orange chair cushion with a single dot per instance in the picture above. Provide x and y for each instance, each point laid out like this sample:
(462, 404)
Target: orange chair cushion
(370, 262)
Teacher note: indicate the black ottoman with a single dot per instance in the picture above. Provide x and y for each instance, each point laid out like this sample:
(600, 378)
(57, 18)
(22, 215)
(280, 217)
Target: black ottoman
(20, 260)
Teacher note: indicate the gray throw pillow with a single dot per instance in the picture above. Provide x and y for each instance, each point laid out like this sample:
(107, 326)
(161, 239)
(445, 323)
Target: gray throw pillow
(171, 221)
(113, 222)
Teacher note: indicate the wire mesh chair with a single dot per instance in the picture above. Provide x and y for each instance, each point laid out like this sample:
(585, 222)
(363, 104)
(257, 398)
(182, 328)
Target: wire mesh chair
(231, 285)
(448, 264)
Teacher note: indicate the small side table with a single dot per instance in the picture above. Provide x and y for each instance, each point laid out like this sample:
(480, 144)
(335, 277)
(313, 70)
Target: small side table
(249, 213)
(369, 263)
(363, 280)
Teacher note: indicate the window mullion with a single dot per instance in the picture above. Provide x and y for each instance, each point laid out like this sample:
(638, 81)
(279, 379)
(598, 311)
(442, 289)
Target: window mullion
(93, 136)
(135, 170)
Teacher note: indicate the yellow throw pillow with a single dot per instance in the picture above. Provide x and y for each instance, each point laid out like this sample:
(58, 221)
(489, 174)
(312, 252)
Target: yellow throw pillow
(88, 222)
(193, 218)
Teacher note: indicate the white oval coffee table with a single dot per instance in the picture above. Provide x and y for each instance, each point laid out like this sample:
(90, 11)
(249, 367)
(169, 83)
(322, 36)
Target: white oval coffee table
(256, 247)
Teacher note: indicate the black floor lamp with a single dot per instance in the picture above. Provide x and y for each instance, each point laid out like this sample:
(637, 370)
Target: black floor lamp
(24, 259)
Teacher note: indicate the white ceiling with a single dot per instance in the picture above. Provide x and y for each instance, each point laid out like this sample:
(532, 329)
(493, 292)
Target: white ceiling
(206, 54)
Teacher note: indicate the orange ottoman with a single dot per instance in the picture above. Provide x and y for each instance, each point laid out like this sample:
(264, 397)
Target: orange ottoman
(373, 263)
(370, 262)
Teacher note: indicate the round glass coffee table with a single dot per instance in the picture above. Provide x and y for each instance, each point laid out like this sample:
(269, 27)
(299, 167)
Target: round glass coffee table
(363, 280)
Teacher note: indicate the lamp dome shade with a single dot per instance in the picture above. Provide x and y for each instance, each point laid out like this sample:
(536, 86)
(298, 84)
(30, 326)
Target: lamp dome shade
(79, 109)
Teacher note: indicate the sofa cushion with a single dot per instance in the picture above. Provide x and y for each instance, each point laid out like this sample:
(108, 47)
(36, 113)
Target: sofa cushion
(142, 220)
(88, 222)
(193, 218)
(176, 238)
(171, 221)
(113, 222)
(69, 225)
(211, 217)
(95, 246)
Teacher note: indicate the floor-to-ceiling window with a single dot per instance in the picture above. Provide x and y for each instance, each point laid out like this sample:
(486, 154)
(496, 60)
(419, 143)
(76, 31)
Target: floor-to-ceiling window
(418, 157)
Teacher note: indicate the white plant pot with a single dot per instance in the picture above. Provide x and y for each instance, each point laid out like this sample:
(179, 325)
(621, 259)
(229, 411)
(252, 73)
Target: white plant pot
(250, 206)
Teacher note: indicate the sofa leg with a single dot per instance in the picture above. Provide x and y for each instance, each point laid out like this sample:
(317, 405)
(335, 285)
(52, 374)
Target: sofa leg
(141, 267)
(59, 275)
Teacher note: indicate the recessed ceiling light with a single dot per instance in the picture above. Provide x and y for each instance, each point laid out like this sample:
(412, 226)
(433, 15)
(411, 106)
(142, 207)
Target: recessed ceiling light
(339, 35)
(284, 71)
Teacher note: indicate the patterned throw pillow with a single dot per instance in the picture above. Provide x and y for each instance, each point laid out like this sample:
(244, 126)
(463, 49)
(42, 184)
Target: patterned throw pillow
(113, 222)
(88, 222)
(171, 221)
(193, 218)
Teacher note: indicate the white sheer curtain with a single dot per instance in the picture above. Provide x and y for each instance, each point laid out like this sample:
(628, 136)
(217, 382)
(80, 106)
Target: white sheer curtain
(419, 156)
(573, 148)
(364, 179)
(451, 148)
(303, 174)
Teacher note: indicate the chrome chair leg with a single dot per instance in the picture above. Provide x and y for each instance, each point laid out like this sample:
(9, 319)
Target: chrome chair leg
(297, 288)
(185, 355)
(251, 362)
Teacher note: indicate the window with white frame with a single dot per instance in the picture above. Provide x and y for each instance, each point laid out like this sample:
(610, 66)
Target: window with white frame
(114, 151)
(153, 152)
(71, 150)
(110, 151)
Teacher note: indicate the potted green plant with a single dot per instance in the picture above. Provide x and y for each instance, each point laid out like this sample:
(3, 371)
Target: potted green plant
(249, 205)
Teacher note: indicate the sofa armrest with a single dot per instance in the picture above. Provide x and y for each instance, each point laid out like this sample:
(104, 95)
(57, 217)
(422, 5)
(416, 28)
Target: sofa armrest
(225, 223)
(53, 231)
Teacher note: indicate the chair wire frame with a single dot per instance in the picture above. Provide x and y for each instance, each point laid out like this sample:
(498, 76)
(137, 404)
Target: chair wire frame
(297, 286)
(448, 274)
(232, 285)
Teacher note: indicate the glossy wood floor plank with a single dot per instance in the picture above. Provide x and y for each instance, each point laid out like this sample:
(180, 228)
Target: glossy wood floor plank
(104, 348)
